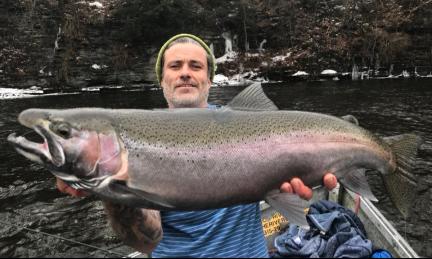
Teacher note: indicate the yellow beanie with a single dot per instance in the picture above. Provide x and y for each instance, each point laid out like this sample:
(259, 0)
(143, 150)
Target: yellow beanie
(158, 66)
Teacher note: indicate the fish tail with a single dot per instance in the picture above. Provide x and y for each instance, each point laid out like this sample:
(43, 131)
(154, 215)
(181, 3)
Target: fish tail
(402, 184)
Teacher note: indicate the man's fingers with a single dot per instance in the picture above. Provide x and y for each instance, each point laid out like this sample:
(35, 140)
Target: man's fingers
(297, 186)
(330, 181)
(300, 189)
(286, 187)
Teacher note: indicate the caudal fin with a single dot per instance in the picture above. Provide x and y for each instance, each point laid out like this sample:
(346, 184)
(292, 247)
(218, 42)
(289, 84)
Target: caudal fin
(401, 184)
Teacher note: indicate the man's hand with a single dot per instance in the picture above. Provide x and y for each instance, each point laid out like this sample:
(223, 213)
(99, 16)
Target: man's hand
(298, 187)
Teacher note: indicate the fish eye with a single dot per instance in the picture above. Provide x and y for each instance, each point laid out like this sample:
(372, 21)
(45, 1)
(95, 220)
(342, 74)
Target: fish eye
(62, 129)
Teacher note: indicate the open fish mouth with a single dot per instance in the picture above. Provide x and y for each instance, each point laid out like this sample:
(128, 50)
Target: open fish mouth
(49, 153)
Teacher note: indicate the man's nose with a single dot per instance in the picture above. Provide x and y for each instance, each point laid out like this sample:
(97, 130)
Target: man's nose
(185, 73)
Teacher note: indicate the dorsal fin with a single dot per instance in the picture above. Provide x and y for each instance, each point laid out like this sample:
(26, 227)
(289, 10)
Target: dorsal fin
(252, 98)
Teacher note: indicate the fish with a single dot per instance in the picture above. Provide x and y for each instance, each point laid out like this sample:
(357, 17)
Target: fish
(197, 159)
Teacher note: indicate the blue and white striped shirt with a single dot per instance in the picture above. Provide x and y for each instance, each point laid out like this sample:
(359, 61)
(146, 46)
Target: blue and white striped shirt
(229, 232)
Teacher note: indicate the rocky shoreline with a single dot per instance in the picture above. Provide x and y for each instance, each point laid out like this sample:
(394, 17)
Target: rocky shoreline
(220, 81)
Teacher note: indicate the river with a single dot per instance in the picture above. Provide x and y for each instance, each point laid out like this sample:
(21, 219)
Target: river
(29, 201)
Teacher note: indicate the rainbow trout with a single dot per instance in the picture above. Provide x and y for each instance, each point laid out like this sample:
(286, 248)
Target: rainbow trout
(194, 159)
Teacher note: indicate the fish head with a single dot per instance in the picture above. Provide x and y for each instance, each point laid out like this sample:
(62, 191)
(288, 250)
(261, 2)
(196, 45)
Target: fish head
(77, 143)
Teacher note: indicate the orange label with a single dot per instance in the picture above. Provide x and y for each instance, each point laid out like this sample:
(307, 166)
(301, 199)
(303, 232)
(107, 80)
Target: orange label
(272, 224)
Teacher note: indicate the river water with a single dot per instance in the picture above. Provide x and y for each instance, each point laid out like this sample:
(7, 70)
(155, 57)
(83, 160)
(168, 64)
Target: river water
(34, 215)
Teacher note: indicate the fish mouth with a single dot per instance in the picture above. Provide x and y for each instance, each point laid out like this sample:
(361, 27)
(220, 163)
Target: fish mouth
(49, 153)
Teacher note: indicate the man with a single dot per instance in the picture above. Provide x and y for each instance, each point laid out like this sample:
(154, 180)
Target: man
(185, 69)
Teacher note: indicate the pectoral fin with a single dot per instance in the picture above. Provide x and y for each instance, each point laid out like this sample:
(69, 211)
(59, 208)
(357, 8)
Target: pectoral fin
(118, 192)
(356, 181)
(291, 206)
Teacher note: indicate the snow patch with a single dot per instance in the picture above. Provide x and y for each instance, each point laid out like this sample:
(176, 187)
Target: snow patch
(281, 57)
(252, 54)
(96, 66)
(32, 92)
(12, 93)
(91, 89)
(300, 73)
(96, 4)
(99, 88)
(229, 56)
(328, 72)
(238, 79)
(36, 88)
(220, 79)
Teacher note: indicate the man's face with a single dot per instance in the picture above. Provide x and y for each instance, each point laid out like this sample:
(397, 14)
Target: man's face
(185, 81)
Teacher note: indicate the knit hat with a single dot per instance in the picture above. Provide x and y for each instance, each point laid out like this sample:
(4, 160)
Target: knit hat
(158, 67)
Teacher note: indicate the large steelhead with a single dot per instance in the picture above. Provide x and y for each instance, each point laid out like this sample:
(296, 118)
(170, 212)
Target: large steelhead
(193, 159)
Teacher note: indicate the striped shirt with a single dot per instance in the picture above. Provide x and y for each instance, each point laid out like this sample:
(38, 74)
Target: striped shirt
(229, 232)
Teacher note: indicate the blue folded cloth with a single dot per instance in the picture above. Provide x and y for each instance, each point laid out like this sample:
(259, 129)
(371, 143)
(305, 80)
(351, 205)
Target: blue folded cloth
(323, 207)
(334, 232)
(381, 253)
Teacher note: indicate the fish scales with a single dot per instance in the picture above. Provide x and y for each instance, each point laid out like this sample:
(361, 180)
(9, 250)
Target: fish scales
(202, 127)
(207, 147)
